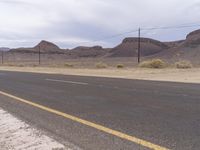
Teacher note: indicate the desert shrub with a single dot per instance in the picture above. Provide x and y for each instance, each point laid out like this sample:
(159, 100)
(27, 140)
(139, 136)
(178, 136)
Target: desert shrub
(119, 66)
(34, 65)
(154, 63)
(11, 65)
(101, 65)
(20, 65)
(68, 65)
(183, 64)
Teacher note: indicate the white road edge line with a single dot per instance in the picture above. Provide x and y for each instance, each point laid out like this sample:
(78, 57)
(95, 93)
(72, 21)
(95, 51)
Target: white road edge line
(64, 81)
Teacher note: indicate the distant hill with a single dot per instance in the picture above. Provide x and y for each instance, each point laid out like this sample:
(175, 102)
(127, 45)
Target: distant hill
(129, 47)
(48, 47)
(83, 51)
(51, 48)
(174, 43)
(43, 46)
(4, 49)
(188, 49)
(193, 39)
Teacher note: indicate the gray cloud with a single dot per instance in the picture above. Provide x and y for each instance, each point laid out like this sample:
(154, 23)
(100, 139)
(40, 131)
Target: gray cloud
(14, 2)
(73, 22)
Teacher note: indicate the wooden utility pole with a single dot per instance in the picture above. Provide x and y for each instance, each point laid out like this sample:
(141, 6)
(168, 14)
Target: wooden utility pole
(139, 47)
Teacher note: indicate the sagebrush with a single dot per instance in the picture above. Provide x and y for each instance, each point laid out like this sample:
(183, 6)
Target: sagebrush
(119, 66)
(184, 64)
(154, 63)
(101, 65)
(68, 65)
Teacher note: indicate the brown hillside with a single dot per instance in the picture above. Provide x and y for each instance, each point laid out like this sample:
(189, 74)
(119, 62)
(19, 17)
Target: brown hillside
(193, 39)
(44, 46)
(174, 43)
(189, 49)
(83, 51)
(129, 47)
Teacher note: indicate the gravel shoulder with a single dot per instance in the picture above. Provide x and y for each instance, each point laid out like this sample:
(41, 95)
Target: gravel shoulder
(16, 134)
(168, 74)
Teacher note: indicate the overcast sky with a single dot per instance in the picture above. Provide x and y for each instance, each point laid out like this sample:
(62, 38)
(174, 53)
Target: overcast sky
(70, 23)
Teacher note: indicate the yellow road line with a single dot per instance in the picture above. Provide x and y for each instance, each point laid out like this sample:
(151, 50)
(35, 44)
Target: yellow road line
(90, 124)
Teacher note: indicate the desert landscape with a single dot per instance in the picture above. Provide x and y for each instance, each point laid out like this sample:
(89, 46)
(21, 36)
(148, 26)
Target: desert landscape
(99, 75)
(88, 57)
(121, 61)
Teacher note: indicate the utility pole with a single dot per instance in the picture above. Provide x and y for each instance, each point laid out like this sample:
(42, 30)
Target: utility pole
(39, 59)
(139, 47)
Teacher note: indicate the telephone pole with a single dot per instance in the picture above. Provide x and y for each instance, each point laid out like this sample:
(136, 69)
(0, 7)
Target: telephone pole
(139, 47)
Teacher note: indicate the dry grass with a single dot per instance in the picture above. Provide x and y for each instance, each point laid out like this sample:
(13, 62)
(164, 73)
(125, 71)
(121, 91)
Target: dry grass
(120, 66)
(20, 65)
(101, 65)
(183, 64)
(154, 63)
(68, 65)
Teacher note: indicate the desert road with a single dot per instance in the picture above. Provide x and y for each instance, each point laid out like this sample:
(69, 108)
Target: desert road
(94, 113)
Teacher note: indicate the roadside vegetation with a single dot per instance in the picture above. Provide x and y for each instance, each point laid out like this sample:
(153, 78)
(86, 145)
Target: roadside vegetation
(154, 63)
(68, 65)
(101, 65)
(184, 64)
(120, 66)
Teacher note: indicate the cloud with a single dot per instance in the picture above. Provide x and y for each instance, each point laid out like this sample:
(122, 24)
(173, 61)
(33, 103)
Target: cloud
(13, 1)
(73, 22)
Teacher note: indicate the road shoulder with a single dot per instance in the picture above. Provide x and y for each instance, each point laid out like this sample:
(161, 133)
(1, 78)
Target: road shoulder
(168, 74)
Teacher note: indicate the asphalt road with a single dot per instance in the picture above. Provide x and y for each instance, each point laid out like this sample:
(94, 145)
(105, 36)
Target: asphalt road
(163, 113)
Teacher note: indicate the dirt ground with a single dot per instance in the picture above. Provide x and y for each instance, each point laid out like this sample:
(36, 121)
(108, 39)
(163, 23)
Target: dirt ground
(167, 74)
(16, 134)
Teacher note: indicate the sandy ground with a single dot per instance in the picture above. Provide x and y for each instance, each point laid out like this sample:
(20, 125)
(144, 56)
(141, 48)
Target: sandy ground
(17, 135)
(168, 74)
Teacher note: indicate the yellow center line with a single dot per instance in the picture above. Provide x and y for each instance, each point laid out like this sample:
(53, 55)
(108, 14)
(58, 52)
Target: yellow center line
(90, 124)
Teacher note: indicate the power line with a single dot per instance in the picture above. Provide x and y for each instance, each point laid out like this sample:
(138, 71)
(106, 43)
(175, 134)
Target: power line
(171, 27)
(149, 29)
(110, 37)
(188, 25)
(119, 34)
(152, 28)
